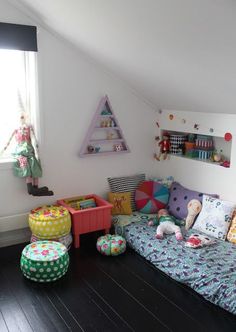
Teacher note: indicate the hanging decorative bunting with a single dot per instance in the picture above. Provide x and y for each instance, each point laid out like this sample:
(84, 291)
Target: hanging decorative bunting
(228, 137)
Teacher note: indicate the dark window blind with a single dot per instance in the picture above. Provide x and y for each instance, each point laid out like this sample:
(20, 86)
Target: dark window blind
(18, 37)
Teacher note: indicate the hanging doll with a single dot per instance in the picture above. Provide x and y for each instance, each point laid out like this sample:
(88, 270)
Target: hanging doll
(164, 145)
(26, 164)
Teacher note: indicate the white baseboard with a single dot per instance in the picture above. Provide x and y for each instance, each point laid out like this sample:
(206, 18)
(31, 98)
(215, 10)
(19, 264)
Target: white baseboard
(11, 223)
(11, 238)
(14, 229)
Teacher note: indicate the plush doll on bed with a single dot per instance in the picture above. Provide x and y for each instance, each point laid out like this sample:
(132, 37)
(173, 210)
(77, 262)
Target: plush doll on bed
(166, 225)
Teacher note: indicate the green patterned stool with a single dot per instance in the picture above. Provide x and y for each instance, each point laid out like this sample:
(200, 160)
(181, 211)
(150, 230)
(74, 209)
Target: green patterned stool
(44, 261)
(111, 245)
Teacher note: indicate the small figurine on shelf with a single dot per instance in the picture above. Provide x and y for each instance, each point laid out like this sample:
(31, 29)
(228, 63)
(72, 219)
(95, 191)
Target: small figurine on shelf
(106, 112)
(90, 148)
(217, 156)
(97, 149)
(27, 164)
(110, 135)
(164, 145)
(112, 123)
(102, 124)
(118, 147)
(225, 163)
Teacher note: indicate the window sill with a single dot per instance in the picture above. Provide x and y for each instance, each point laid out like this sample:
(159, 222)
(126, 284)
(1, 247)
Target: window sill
(6, 164)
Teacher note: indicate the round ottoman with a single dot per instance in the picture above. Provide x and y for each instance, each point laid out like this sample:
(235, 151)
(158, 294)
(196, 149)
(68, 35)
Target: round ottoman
(66, 240)
(44, 261)
(49, 222)
(111, 245)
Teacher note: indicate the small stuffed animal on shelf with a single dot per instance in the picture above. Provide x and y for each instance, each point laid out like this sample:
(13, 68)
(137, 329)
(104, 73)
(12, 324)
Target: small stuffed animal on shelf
(194, 207)
(110, 135)
(164, 145)
(27, 164)
(166, 225)
(117, 147)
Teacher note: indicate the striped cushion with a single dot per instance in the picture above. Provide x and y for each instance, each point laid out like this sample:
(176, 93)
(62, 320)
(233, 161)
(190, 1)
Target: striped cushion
(126, 184)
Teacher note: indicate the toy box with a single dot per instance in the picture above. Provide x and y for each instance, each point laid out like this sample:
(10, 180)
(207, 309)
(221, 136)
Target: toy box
(90, 219)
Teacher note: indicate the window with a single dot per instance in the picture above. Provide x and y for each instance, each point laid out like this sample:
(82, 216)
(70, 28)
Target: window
(18, 89)
(18, 47)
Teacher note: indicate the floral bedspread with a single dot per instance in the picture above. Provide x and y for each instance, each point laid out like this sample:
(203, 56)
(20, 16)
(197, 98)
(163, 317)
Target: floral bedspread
(210, 271)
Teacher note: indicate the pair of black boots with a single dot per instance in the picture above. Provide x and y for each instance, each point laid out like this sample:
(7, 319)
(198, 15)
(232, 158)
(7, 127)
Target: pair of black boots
(36, 191)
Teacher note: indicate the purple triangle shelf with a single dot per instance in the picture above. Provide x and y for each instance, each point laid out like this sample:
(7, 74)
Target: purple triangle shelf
(104, 135)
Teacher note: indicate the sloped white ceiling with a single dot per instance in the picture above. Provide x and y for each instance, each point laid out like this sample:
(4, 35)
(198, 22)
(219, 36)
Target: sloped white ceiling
(178, 54)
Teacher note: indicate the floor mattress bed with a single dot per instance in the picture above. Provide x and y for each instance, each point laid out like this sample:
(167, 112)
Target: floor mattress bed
(210, 271)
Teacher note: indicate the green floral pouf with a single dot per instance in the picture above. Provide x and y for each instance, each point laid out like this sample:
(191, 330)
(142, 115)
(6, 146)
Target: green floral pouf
(111, 245)
(44, 261)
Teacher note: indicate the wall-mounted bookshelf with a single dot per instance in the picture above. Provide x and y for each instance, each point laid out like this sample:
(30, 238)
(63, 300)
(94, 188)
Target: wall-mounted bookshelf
(104, 136)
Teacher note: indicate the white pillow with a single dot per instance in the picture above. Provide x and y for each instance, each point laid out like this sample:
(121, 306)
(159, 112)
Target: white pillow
(215, 216)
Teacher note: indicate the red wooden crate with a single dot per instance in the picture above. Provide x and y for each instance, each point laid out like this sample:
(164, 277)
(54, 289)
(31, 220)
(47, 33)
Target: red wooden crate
(88, 220)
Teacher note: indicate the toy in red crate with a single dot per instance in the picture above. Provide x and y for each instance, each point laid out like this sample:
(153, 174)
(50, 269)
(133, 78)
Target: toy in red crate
(88, 219)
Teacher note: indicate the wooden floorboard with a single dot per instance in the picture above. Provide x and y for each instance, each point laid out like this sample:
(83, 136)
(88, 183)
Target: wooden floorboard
(121, 300)
(124, 293)
(3, 326)
(11, 309)
(151, 300)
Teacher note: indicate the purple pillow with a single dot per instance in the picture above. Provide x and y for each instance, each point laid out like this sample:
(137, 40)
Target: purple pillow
(179, 199)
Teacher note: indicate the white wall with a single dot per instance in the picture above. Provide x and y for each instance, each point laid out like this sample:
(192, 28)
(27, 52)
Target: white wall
(70, 88)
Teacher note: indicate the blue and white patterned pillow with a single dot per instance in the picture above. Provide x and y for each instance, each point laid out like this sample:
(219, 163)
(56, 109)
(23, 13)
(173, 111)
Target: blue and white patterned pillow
(215, 217)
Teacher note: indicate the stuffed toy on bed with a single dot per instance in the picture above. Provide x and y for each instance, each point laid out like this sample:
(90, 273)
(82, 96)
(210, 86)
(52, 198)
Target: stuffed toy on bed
(167, 224)
(194, 207)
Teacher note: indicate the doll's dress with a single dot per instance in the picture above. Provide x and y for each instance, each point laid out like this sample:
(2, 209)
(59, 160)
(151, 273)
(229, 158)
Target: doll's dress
(25, 163)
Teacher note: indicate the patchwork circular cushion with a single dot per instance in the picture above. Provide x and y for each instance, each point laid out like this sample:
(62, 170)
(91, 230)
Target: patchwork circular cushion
(44, 261)
(48, 222)
(151, 196)
(66, 240)
(111, 245)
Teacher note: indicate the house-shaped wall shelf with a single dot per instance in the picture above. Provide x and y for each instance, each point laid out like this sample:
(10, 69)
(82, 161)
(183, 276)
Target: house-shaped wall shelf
(104, 135)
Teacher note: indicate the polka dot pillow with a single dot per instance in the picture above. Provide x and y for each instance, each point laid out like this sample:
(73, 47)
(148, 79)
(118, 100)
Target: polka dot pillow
(179, 199)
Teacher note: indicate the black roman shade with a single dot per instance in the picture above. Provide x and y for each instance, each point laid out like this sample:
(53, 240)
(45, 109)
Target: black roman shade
(18, 37)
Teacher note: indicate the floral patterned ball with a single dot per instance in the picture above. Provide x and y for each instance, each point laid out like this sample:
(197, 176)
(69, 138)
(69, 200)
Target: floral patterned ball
(111, 245)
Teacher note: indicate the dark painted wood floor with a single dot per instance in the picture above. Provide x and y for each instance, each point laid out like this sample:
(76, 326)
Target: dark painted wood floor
(123, 293)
